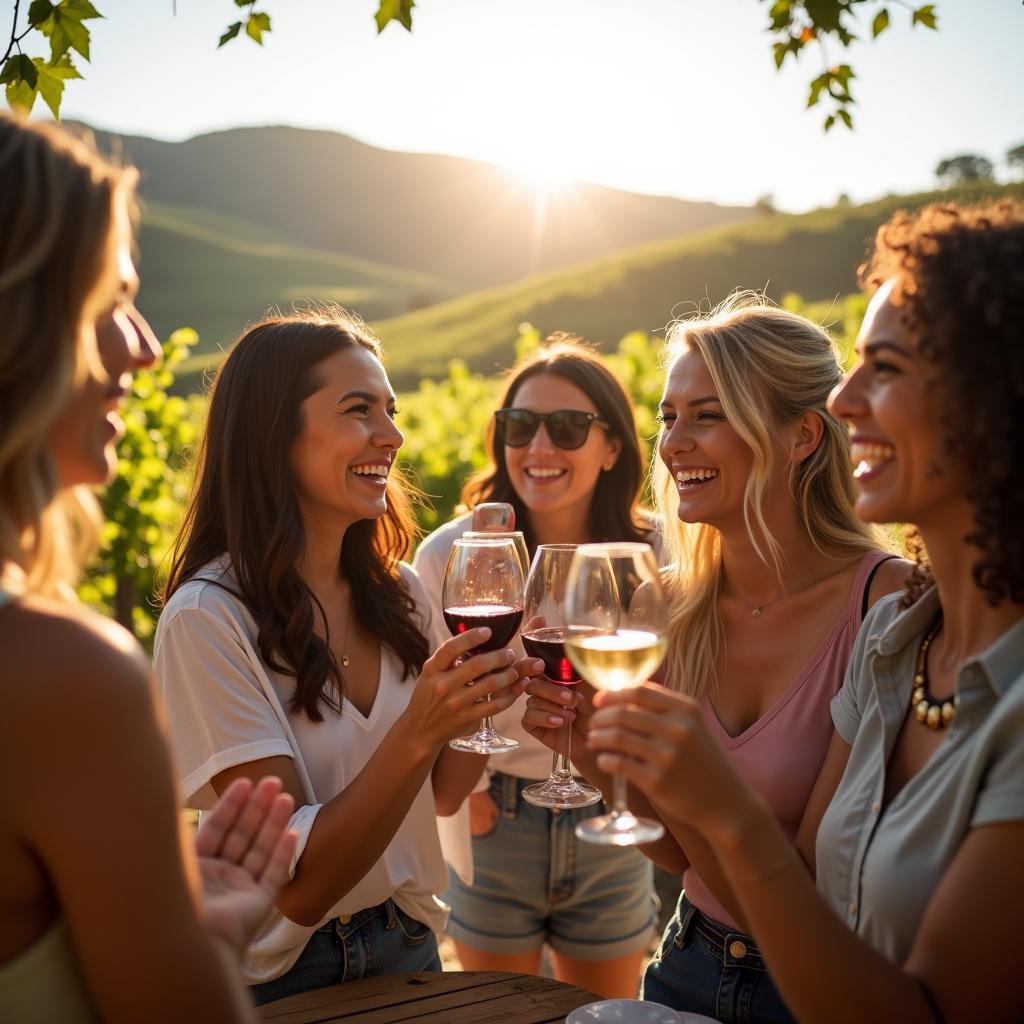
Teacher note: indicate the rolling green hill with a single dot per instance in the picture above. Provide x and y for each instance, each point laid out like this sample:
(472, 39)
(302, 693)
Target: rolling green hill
(461, 220)
(814, 254)
(215, 273)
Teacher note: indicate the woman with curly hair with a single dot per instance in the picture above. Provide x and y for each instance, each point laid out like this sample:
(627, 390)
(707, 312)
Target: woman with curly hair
(919, 884)
(295, 642)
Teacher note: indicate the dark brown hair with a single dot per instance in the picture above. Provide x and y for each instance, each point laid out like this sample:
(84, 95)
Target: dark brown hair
(959, 274)
(614, 506)
(244, 505)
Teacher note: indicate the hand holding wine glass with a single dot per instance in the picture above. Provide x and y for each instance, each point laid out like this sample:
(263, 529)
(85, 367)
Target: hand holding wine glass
(544, 637)
(615, 595)
(483, 586)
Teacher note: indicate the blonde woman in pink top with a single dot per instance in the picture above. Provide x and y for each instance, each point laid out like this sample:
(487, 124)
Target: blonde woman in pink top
(772, 575)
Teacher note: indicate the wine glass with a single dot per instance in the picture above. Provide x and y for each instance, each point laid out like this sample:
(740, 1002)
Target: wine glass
(614, 594)
(544, 637)
(516, 536)
(483, 586)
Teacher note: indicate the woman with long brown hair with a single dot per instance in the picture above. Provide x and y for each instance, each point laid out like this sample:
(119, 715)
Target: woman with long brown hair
(100, 911)
(295, 642)
(564, 453)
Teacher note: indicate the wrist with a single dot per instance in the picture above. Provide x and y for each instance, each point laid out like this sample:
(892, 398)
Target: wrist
(417, 744)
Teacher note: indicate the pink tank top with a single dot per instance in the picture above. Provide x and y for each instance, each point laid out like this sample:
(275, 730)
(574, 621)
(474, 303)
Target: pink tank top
(781, 754)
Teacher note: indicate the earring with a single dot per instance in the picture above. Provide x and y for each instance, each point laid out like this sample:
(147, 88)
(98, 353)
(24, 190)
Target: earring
(608, 465)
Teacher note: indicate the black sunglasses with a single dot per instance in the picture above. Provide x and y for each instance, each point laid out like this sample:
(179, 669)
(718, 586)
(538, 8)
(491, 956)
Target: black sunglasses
(567, 428)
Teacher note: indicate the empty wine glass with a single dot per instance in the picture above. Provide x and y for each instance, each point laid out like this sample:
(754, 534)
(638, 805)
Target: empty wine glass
(615, 597)
(483, 586)
(543, 636)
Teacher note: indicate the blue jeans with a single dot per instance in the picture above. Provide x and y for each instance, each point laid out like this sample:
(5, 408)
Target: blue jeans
(704, 967)
(378, 940)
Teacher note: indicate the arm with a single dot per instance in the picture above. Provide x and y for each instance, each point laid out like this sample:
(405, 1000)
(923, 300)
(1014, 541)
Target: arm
(824, 970)
(349, 833)
(96, 804)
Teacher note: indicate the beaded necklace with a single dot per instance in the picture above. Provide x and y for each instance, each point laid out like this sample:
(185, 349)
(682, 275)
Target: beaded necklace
(936, 714)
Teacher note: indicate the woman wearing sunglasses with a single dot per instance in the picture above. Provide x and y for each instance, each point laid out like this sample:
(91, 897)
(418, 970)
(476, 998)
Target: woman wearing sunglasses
(564, 454)
(772, 575)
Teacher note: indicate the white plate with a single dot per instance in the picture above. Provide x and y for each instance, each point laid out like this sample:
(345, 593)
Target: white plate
(632, 1011)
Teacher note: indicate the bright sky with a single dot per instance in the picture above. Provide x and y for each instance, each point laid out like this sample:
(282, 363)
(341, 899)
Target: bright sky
(678, 97)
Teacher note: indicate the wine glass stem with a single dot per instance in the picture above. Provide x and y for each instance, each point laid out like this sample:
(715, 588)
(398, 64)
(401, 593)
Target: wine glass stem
(561, 769)
(619, 805)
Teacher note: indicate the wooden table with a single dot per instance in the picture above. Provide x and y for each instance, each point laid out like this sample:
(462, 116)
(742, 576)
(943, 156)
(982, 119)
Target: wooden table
(449, 997)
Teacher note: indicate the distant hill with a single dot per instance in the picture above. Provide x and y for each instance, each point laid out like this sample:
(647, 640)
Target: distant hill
(464, 221)
(215, 273)
(814, 254)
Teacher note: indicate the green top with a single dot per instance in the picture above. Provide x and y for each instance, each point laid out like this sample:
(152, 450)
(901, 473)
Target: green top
(879, 868)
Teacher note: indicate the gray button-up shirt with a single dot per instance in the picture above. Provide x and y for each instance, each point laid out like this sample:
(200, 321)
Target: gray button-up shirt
(878, 869)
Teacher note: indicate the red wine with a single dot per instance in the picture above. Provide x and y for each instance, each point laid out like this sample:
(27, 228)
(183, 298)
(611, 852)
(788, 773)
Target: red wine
(548, 644)
(502, 620)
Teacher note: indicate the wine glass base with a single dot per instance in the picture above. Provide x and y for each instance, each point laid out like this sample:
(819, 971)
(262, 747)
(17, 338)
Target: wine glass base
(484, 743)
(623, 829)
(561, 795)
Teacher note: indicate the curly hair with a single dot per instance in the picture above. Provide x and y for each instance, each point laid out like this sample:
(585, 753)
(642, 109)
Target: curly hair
(959, 280)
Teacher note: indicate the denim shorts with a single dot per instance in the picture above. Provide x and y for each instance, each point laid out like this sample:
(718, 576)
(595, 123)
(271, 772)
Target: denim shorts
(535, 882)
(378, 940)
(704, 967)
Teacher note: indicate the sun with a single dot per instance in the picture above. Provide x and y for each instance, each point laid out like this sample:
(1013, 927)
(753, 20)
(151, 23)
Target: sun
(542, 176)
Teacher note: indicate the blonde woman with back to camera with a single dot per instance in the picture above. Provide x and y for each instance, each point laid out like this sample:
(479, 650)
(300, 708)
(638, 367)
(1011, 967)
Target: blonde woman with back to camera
(772, 574)
(99, 918)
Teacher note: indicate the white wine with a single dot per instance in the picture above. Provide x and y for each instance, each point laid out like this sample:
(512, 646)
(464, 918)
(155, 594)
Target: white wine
(613, 661)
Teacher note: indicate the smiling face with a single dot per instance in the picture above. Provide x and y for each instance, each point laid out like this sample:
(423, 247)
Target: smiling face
(347, 441)
(548, 478)
(83, 439)
(892, 402)
(707, 458)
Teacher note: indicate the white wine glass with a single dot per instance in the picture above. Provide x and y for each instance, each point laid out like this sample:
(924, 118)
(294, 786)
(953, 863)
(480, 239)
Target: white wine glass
(616, 602)
(483, 586)
(544, 631)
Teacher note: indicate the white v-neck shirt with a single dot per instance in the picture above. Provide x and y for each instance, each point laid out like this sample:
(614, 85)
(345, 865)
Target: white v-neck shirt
(225, 706)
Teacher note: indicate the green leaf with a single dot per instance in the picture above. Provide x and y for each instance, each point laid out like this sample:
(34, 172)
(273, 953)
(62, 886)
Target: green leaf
(780, 50)
(257, 25)
(830, 121)
(781, 14)
(81, 9)
(230, 34)
(925, 16)
(880, 24)
(20, 96)
(51, 81)
(845, 117)
(817, 85)
(20, 68)
(244, 3)
(394, 10)
(38, 12)
(68, 32)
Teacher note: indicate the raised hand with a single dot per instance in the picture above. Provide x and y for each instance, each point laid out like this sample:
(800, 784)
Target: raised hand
(244, 851)
(450, 697)
(656, 740)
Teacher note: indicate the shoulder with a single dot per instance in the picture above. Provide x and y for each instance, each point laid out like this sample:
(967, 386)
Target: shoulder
(888, 578)
(211, 593)
(438, 544)
(67, 676)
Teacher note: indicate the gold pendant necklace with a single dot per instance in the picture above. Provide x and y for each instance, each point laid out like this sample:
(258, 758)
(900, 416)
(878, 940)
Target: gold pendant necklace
(936, 714)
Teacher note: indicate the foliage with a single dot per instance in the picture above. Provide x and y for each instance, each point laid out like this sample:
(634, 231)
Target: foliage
(798, 23)
(965, 168)
(144, 504)
(794, 23)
